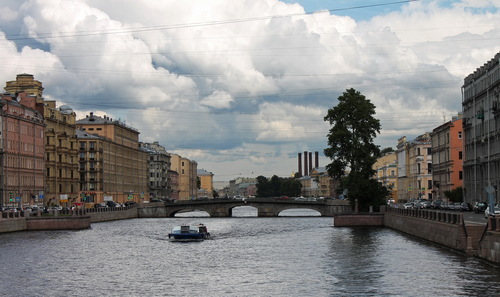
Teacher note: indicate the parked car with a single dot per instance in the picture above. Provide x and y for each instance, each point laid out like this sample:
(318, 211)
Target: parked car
(436, 204)
(465, 206)
(426, 204)
(408, 205)
(496, 211)
(480, 207)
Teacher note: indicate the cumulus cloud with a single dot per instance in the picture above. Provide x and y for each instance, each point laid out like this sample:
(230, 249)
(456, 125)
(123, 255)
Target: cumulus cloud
(242, 86)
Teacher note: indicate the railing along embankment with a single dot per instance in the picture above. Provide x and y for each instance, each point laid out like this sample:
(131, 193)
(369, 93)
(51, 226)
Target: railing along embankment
(444, 228)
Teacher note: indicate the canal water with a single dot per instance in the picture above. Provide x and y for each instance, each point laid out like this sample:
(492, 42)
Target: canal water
(293, 255)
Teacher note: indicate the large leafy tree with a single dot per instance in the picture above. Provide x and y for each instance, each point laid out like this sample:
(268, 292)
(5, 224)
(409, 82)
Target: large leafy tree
(277, 186)
(352, 150)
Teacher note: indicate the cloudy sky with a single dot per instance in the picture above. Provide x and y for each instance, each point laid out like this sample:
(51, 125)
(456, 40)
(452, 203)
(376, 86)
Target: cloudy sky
(242, 86)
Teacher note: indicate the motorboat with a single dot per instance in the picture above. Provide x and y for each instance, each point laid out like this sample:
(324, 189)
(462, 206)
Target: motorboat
(189, 233)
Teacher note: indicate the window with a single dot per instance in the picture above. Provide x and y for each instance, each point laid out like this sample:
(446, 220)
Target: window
(459, 134)
(82, 145)
(429, 184)
(92, 145)
(429, 167)
(460, 155)
(418, 168)
(418, 151)
(429, 151)
(460, 175)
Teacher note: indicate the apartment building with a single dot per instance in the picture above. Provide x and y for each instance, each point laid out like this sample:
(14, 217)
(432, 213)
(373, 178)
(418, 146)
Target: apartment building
(481, 124)
(22, 151)
(206, 183)
(188, 179)
(111, 164)
(61, 167)
(447, 157)
(160, 182)
(414, 159)
(386, 170)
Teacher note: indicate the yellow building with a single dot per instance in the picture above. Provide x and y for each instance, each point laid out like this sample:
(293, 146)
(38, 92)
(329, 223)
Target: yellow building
(61, 150)
(111, 165)
(206, 183)
(386, 168)
(188, 179)
(414, 159)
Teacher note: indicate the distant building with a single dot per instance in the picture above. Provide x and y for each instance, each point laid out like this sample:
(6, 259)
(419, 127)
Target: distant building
(22, 151)
(386, 168)
(414, 170)
(206, 183)
(447, 157)
(159, 167)
(188, 179)
(242, 186)
(111, 165)
(481, 121)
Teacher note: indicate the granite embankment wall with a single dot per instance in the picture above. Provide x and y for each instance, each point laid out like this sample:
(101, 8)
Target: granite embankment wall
(489, 247)
(112, 214)
(63, 220)
(444, 228)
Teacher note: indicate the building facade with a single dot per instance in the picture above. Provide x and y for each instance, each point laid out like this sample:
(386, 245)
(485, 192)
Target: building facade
(160, 183)
(386, 170)
(414, 169)
(447, 157)
(206, 183)
(188, 179)
(22, 151)
(481, 124)
(60, 143)
(111, 165)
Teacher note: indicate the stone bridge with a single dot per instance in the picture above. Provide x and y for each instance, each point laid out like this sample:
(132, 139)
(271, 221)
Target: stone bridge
(266, 207)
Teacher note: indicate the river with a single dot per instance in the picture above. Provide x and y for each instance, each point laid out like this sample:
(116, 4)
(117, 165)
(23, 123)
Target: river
(294, 255)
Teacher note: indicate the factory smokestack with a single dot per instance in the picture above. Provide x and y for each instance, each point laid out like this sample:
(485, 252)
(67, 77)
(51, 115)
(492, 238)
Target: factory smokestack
(306, 164)
(316, 159)
(310, 161)
(300, 164)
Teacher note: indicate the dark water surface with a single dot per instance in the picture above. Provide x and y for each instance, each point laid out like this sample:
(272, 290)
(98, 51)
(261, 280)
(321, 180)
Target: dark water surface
(248, 256)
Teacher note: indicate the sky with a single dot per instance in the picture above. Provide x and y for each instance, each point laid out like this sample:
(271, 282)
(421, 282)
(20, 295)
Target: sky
(243, 86)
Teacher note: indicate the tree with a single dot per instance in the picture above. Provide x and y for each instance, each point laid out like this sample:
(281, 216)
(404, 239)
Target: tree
(455, 195)
(277, 186)
(351, 148)
(386, 150)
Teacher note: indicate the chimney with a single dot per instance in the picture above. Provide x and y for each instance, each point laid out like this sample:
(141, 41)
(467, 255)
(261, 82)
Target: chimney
(310, 161)
(306, 165)
(316, 159)
(300, 164)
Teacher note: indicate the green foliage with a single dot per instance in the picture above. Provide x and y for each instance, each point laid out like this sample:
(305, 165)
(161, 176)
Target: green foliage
(215, 194)
(352, 150)
(455, 195)
(386, 150)
(277, 186)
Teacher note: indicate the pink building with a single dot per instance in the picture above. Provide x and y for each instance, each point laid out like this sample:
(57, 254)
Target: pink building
(22, 150)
